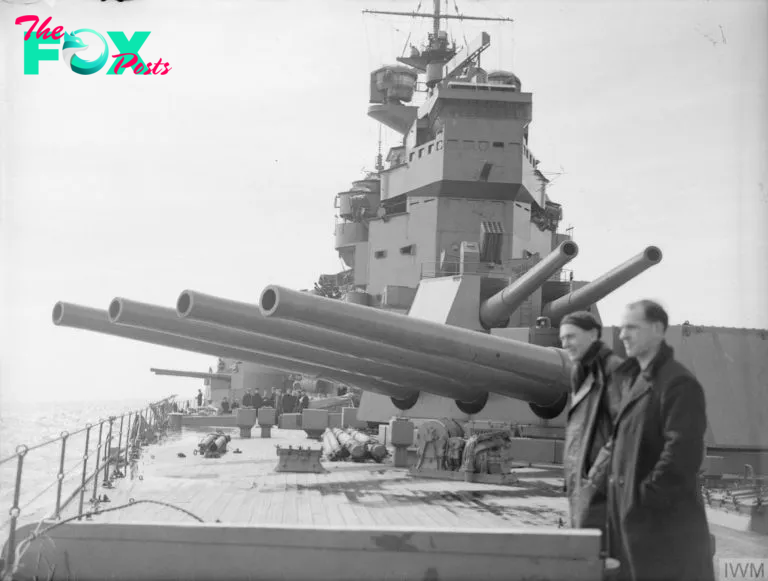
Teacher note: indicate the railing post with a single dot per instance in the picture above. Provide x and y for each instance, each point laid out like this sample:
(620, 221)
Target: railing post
(109, 451)
(85, 469)
(21, 451)
(98, 455)
(60, 475)
(119, 443)
(127, 441)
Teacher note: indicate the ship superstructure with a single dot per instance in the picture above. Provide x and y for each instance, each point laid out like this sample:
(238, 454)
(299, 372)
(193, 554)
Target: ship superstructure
(461, 195)
(463, 187)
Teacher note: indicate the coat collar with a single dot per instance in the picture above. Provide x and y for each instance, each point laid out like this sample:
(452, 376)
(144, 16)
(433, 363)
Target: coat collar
(593, 363)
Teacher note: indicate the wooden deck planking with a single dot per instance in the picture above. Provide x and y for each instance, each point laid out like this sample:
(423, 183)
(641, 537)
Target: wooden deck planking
(242, 488)
(234, 510)
(303, 506)
(319, 516)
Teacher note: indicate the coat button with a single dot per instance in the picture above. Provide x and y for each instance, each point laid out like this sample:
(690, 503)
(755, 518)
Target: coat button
(621, 481)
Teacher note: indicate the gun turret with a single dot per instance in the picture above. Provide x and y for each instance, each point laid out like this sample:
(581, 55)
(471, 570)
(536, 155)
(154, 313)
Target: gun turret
(538, 375)
(496, 310)
(601, 287)
(476, 380)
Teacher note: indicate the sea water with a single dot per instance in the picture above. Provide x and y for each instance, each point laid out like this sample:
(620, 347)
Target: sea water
(34, 423)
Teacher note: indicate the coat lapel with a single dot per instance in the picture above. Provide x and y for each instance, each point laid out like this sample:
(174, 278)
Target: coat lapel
(584, 390)
(642, 385)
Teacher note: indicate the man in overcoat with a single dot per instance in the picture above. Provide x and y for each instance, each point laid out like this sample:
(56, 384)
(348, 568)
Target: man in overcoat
(594, 404)
(658, 525)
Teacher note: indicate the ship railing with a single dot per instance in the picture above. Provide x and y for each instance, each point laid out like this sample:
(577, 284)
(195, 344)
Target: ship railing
(510, 268)
(117, 446)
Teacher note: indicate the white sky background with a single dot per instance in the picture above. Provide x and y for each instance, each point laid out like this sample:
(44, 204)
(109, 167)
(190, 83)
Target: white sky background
(221, 175)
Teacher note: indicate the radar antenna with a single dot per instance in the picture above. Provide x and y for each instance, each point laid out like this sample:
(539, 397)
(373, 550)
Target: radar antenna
(438, 51)
(436, 16)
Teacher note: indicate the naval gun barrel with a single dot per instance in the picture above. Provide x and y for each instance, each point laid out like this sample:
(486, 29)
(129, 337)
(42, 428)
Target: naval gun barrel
(545, 371)
(127, 312)
(601, 287)
(96, 320)
(478, 380)
(500, 306)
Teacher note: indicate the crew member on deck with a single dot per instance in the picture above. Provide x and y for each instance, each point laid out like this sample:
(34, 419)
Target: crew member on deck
(594, 405)
(258, 400)
(658, 524)
(247, 399)
(199, 398)
(303, 402)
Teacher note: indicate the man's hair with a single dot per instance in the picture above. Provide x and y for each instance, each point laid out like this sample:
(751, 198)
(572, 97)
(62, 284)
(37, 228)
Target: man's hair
(653, 312)
(584, 320)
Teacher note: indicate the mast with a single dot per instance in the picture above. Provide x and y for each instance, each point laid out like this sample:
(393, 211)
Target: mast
(439, 16)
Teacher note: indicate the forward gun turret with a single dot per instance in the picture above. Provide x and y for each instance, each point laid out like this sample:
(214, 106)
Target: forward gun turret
(600, 288)
(496, 310)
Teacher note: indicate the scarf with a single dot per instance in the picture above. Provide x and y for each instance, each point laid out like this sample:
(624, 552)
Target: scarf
(591, 362)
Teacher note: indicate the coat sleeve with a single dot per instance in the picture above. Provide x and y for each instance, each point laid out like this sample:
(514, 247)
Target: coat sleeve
(683, 424)
(598, 474)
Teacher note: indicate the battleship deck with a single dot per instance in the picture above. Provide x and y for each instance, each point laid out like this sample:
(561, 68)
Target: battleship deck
(353, 522)
(243, 489)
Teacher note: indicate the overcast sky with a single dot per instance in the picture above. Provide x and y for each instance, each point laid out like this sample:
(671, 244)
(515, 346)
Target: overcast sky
(220, 176)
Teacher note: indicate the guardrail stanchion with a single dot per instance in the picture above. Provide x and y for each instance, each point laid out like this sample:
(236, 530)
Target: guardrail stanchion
(119, 444)
(127, 442)
(135, 425)
(108, 455)
(98, 455)
(21, 451)
(85, 469)
(60, 475)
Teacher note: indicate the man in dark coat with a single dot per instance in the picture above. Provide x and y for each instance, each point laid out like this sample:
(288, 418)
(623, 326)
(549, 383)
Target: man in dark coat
(289, 403)
(658, 525)
(278, 401)
(258, 400)
(248, 399)
(594, 405)
(304, 402)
